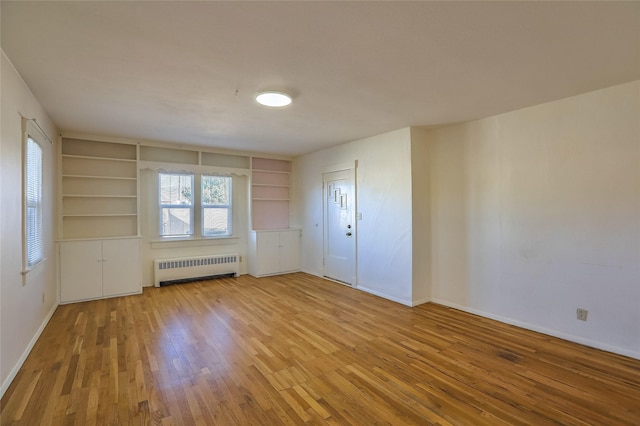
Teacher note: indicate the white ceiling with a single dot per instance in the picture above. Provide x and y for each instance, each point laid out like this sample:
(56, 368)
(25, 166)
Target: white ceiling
(188, 71)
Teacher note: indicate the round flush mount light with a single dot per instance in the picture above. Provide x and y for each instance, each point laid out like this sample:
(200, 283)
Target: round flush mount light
(273, 99)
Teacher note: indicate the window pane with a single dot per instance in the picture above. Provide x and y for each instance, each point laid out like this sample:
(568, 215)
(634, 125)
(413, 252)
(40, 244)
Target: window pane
(176, 221)
(176, 204)
(34, 250)
(216, 190)
(176, 189)
(215, 221)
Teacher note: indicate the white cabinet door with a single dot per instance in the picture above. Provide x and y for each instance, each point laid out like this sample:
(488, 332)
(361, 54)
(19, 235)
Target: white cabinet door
(289, 250)
(274, 252)
(80, 270)
(99, 268)
(120, 267)
(268, 253)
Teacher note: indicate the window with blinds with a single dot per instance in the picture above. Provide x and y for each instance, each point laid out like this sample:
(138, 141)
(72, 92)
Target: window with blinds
(34, 248)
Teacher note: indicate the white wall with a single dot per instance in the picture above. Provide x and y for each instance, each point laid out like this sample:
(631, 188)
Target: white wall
(384, 234)
(421, 216)
(28, 301)
(536, 212)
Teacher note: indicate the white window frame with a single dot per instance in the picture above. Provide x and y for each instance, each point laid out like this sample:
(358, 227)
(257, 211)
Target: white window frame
(228, 207)
(162, 206)
(197, 208)
(33, 231)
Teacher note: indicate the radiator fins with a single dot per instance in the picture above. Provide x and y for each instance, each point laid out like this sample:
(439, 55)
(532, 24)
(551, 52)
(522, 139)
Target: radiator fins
(172, 271)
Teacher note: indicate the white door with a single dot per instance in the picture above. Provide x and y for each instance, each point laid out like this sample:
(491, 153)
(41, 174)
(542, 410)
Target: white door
(120, 266)
(80, 270)
(289, 251)
(268, 252)
(339, 226)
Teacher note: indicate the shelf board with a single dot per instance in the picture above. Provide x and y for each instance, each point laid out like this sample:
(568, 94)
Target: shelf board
(118, 237)
(87, 157)
(100, 215)
(270, 171)
(97, 196)
(98, 177)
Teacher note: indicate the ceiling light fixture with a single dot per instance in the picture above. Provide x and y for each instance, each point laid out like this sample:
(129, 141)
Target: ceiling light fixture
(273, 99)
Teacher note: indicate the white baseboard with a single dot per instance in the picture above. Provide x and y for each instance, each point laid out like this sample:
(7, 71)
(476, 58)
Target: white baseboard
(375, 292)
(527, 326)
(385, 296)
(421, 301)
(543, 330)
(315, 274)
(25, 354)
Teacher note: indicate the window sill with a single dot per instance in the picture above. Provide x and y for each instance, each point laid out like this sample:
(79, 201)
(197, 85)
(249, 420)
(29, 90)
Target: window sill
(34, 266)
(193, 242)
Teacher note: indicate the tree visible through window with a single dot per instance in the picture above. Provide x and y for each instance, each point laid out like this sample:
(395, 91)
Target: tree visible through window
(178, 195)
(176, 205)
(216, 206)
(34, 247)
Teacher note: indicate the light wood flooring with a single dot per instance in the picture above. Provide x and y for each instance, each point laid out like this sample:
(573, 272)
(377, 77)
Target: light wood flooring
(297, 349)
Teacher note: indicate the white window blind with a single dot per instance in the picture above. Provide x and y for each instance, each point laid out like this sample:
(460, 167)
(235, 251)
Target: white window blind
(34, 247)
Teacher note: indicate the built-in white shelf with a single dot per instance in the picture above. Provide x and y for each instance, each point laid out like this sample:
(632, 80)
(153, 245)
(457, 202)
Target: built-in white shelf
(96, 196)
(88, 157)
(271, 171)
(99, 189)
(98, 177)
(270, 186)
(99, 215)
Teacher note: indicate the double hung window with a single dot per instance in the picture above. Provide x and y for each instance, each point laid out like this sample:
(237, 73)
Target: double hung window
(33, 236)
(216, 206)
(195, 205)
(176, 205)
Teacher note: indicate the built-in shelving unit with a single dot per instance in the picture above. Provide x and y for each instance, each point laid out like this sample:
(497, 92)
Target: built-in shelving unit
(99, 225)
(99, 189)
(270, 193)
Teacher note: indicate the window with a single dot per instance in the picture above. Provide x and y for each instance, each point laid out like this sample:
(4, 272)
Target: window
(179, 193)
(34, 247)
(216, 206)
(176, 205)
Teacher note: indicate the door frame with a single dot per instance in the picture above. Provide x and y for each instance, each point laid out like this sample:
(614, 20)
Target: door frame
(352, 167)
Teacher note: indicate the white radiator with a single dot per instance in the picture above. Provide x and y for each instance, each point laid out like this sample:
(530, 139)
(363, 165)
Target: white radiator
(195, 267)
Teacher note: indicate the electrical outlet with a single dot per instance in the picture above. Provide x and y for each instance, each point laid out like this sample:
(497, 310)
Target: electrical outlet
(582, 314)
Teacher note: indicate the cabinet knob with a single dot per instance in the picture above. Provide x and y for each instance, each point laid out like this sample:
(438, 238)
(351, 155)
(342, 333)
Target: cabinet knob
(349, 234)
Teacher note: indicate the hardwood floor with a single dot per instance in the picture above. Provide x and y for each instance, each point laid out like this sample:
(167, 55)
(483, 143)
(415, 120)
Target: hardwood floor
(297, 349)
